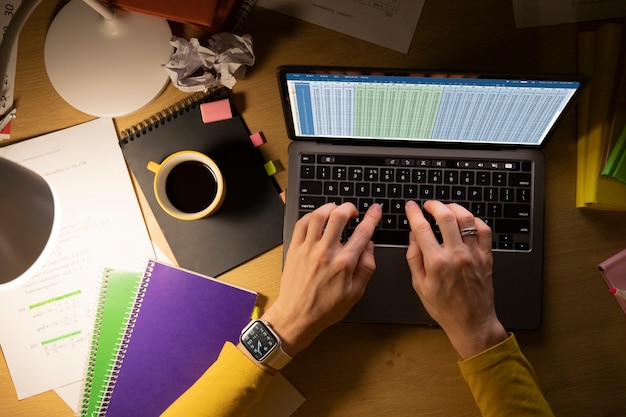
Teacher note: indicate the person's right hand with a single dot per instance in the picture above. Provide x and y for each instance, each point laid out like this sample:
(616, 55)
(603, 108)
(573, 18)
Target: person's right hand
(454, 279)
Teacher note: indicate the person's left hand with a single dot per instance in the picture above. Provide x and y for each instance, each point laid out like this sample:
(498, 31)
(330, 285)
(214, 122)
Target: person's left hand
(322, 278)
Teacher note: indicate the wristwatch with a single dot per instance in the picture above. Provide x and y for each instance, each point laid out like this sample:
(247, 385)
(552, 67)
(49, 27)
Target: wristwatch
(264, 344)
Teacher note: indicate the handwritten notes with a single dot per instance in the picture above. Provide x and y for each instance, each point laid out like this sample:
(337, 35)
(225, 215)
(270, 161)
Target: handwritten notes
(46, 323)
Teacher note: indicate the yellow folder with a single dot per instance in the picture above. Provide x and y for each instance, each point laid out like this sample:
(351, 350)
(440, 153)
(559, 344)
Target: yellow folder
(599, 58)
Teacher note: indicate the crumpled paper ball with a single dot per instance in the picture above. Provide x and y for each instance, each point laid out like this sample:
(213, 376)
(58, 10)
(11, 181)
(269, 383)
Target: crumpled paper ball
(194, 67)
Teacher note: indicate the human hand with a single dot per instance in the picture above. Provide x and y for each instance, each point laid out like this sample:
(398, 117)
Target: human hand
(322, 278)
(454, 279)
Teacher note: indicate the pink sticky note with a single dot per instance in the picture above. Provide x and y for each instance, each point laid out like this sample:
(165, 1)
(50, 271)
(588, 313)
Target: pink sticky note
(257, 139)
(214, 111)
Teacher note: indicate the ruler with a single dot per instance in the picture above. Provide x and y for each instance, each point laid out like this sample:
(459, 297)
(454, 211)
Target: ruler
(7, 11)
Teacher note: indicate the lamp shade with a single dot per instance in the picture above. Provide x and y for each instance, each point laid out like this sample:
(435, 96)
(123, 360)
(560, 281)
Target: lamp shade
(28, 221)
(107, 68)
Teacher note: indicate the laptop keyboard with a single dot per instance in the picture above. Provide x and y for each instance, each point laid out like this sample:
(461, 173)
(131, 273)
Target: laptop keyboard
(498, 192)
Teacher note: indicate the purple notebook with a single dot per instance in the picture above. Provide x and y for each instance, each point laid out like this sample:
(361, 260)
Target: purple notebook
(181, 321)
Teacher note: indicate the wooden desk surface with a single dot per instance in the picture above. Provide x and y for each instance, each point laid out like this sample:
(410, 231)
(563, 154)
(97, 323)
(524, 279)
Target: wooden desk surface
(369, 370)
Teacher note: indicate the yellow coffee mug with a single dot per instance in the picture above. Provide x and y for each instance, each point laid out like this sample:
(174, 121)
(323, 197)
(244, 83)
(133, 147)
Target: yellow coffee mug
(188, 185)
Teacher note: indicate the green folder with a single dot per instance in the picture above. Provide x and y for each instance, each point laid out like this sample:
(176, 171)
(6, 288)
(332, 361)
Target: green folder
(615, 167)
(117, 294)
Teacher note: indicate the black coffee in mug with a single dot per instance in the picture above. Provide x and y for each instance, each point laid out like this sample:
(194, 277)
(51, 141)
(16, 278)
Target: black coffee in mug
(191, 186)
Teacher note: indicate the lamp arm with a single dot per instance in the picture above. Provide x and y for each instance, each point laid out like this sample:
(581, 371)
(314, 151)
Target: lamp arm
(106, 12)
(11, 36)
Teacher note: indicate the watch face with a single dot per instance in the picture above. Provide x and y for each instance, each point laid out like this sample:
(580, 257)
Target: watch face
(259, 340)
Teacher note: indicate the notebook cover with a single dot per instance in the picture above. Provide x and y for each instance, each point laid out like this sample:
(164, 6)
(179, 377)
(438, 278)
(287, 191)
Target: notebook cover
(592, 189)
(615, 167)
(180, 324)
(598, 58)
(603, 85)
(117, 293)
(613, 271)
(249, 222)
(208, 14)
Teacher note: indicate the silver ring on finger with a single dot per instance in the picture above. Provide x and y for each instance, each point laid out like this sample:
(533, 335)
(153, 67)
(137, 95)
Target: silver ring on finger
(469, 231)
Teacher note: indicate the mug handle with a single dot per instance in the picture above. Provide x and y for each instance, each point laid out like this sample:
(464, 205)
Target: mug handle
(153, 166)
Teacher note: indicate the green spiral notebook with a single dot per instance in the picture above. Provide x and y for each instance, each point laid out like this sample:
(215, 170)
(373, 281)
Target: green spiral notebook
(115, 304)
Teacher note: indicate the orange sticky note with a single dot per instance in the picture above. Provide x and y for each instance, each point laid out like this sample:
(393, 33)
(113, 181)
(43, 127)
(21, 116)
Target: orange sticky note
(214, 111)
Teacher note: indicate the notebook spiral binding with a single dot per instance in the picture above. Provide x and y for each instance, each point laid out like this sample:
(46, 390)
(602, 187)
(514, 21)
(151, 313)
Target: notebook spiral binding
(177, 109)
(93, 347)
(125, 340)
(240, 15)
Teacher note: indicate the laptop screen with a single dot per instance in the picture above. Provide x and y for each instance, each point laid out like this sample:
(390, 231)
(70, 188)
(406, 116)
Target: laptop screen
(423, 107)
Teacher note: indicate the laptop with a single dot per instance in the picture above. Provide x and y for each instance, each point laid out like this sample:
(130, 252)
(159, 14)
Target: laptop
(382, 135)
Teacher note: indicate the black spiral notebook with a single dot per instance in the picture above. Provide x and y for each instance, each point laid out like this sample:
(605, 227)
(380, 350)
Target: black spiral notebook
(250, 220)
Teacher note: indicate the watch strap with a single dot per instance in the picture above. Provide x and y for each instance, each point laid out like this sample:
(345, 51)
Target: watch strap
(278, 358)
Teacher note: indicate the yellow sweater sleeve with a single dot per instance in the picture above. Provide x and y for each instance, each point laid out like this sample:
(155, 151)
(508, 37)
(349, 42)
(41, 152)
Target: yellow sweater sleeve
(503, 382)
(230, 387)
(501, 379)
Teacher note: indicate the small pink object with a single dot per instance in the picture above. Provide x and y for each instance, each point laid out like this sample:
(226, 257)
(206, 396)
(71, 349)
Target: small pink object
(257, 139)
(618, 292)
(214, 111)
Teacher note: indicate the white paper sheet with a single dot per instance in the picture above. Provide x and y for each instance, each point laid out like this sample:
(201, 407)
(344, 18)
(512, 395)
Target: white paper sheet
(71, 394)
(530, 13)
(280, 400)
(46, 323)
(390, 23)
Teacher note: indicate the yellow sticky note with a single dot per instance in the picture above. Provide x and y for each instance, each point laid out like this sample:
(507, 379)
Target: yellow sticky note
(270, 168)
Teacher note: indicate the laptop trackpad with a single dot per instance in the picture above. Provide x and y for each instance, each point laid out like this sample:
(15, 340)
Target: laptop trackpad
(389, 297)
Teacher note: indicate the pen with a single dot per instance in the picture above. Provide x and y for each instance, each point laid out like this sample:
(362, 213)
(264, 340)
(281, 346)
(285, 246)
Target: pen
(618, 292)
(6, 119)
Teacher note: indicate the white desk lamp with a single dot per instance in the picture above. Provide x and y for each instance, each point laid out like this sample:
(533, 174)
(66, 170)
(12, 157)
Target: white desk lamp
(104, 62)
(107, 62)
